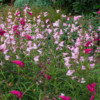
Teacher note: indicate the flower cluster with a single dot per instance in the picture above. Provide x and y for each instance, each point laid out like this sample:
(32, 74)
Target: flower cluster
(37, 46)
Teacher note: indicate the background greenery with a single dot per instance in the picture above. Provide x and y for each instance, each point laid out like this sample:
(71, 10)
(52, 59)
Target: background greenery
(70, 7)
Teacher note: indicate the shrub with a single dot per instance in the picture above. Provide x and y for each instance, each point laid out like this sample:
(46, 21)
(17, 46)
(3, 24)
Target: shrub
(78, 6)
(21, 3)
(2, 0)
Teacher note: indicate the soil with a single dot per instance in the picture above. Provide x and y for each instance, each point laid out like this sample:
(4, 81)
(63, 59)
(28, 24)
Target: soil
(98, 60)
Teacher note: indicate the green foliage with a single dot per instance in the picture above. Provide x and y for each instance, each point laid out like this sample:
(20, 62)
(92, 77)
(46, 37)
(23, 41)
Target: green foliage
(51, 11)
(21, 3)
(78, 6)
(86, 6)
(2, 0)
(69, 6)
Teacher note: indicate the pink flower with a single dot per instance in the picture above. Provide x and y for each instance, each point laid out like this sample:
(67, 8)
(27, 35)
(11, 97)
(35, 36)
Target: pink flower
(88, 43)
(17, 33)
(64, 54)
(15, 27)
(47, 76)
(30, 13)
(88, 50)
(22, 22)
(20, 63)
(18, 93)
(78, 42)
(70, 72)
(28, 37)
(92, 97)
(2, 32)
(17, 18)
(92, 89)
(64, 97)
(61, 44)
(83, 67)
(36, 59)
(7, 57)
(17, 13)
(57, 11)
(99, 28)
(2, 47)
(90, 58)
(81, 58)
(96, 39)
(82, 80)
(77, 17)
(98, 12)
(92, 65)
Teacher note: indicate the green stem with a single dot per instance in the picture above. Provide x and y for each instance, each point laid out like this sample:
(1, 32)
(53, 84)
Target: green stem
(28, 88)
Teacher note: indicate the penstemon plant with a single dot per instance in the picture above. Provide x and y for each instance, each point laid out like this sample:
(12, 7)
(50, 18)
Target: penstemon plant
(41, 60)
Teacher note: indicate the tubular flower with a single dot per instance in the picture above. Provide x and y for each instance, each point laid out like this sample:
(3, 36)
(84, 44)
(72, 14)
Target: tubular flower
(20, 63)
(28, 37)
(92, 89)
(22, 22)
(88, 43)
(2, 32)
(47, 76)
(88, 50)
(17, 32)
(18, 13)
(98, 12)
(64, 97)
(15, 28)
(2, 47)
(30, 13)
(96, 39)
(18, 93)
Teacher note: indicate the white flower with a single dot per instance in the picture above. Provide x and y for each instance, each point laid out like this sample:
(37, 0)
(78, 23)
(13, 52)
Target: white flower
(36, 59)
(70, 72)
(7, 57)
(57, 11)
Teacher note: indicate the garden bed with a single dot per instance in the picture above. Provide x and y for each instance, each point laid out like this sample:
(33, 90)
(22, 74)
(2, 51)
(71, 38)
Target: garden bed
(49, 58)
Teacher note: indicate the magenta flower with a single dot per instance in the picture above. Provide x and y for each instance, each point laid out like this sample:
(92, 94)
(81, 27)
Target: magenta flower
(17, 13)
(2, 32)
(30, 13)
(18, 93)
(22, 22)
(92, 89)
(98, 12)
(17, 18)
(15, 27)
(47, 76)
(92, 97)
(96, 39)
(88, 43)
(88, 50)
(20, 63)
(17, 33)
(64, 97)
(28, 37)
